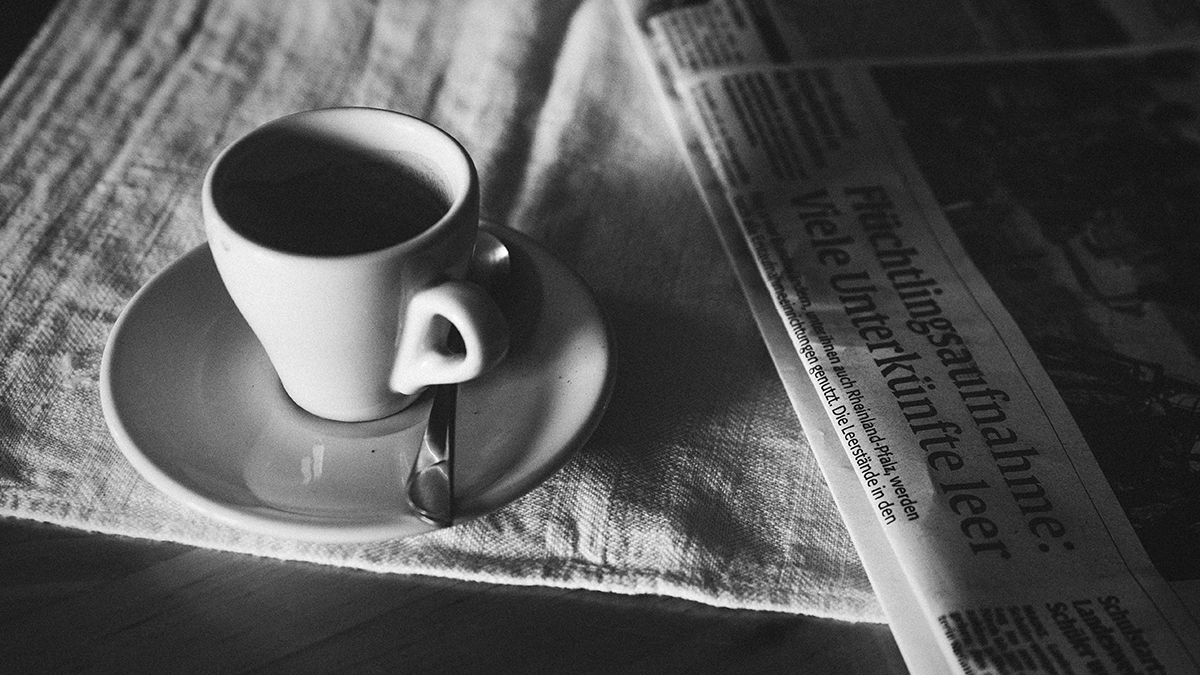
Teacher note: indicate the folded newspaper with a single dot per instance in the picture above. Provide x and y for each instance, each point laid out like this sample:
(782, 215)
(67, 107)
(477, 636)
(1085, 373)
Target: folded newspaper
(976, 275)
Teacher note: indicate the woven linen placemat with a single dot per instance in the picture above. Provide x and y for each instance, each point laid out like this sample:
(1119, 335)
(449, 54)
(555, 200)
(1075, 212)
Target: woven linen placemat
(698, 482)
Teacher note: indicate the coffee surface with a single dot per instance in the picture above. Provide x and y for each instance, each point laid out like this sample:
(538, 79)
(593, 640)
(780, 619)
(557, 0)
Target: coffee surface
(343, 203)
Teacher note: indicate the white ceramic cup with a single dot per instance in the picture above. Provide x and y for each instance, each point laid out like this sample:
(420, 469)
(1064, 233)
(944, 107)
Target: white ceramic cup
(342, 235)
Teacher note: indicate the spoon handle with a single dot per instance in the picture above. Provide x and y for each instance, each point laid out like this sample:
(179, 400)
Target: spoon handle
(431, 481)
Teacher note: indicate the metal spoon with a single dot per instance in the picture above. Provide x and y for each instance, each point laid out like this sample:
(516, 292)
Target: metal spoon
(430, 484)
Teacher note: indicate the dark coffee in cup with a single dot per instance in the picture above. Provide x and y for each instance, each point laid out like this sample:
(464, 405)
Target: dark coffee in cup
(296, 191)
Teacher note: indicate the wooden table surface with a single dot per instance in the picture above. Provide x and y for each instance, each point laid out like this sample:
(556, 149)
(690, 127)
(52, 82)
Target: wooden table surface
(77, 602)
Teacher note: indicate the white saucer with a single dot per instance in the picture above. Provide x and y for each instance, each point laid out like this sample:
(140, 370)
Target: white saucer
(196, 407)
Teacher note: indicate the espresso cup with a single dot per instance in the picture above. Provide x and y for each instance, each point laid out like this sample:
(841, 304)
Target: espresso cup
(342, 236)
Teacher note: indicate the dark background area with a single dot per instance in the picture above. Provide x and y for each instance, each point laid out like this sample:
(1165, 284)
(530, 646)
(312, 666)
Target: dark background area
(19, 22)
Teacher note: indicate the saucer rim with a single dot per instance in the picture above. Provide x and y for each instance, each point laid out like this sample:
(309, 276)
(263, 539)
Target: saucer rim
(268, 521)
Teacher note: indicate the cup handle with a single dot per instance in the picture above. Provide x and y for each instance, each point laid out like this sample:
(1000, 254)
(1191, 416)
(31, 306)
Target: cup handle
(423, 358)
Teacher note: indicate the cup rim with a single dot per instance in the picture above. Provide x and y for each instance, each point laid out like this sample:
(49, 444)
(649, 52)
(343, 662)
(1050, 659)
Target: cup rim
(467, 177)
